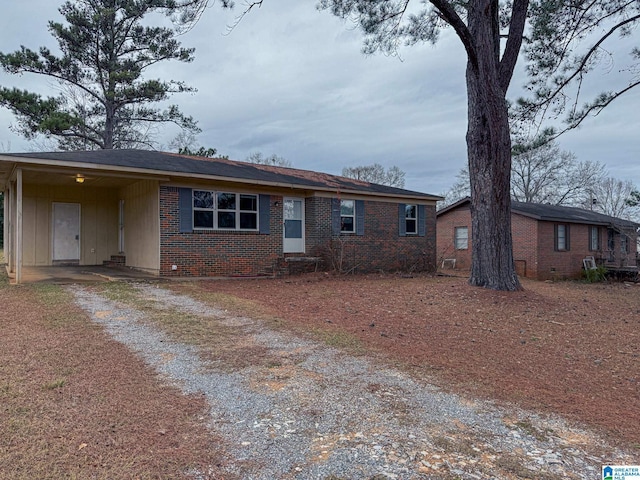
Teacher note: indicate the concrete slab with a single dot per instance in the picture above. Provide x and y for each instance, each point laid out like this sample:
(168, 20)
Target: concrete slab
(80, 274)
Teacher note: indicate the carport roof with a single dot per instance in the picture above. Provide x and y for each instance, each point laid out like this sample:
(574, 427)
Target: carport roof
(174, 165)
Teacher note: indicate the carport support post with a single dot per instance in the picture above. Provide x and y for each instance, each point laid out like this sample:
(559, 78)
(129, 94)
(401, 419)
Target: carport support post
(5, 237)
(18, 245)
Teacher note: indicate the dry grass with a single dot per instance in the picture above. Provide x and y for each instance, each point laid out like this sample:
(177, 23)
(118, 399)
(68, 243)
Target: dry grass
(227, 346)
(76, 404)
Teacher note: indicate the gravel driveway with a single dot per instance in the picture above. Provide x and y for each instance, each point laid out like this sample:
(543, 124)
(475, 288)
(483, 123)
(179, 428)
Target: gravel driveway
(322, 414)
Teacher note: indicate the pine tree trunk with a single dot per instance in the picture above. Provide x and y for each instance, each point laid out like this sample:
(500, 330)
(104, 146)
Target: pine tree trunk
(489, 153)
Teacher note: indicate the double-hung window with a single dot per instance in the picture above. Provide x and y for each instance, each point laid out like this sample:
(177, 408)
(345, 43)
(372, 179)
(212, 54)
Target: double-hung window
(347, 216)
(461, 238)
(561, 237)
(224, 210)
(411, 219)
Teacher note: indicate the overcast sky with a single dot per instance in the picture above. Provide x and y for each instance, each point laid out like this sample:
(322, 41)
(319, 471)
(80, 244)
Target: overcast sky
(292, 81)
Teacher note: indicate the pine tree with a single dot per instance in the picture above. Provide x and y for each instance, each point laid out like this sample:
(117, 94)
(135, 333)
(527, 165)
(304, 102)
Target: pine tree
(105, 101)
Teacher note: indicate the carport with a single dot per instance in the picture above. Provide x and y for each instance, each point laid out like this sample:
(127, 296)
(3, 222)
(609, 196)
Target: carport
(61, 212)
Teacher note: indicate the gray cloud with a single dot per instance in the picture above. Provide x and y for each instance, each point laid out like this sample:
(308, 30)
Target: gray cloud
(291, 80)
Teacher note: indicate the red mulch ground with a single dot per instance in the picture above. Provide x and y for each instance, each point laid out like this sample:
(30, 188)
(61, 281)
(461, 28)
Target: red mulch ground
(569, 348)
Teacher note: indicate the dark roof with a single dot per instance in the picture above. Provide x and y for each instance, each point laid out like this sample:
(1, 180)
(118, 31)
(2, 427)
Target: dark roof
(167, 163)
(556, 213)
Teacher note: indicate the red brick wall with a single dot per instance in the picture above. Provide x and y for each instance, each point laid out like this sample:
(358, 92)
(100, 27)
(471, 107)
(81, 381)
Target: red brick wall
(533, 245)
(554, 264)
(211, 253)
(524, 232)
(380, 249)
(447, 222)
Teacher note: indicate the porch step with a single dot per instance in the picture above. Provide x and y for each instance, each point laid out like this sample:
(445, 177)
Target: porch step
(302, 264)
(116, 261)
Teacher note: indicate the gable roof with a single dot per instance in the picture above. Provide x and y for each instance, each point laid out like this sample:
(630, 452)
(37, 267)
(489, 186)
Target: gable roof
(556, 213)
(175, 165)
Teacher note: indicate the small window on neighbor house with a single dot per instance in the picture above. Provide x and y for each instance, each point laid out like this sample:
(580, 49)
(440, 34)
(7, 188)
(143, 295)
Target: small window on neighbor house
(347, 216)
(594, 239)
(562, 237)
(461, 238)
(411, 219)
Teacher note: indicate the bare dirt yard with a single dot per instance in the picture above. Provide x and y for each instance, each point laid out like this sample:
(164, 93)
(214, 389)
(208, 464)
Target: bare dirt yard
(569, 347)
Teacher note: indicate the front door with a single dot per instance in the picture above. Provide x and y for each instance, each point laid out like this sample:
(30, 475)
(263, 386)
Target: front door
(293, 215)
(66, 232)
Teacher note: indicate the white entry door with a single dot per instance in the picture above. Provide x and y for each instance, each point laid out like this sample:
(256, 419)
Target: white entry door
(293, 215)
(66, 232)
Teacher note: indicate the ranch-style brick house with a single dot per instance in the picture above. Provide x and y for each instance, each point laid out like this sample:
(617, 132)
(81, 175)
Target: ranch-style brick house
(549, 241)
(176, 215)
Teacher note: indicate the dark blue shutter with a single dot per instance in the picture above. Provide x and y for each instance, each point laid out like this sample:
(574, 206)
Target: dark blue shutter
(185, 208)
(402, 220)
(265, 214)
(422, 221)
(359, 217)
(335, 216)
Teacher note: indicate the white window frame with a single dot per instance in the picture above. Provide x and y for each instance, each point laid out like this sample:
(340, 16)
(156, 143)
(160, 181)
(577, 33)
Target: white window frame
(237, 211)
(408, 219)
(460, 242)
(353, 216)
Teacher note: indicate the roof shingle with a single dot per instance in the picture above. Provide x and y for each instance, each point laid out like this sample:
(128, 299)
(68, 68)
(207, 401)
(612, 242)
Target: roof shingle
(220, 167)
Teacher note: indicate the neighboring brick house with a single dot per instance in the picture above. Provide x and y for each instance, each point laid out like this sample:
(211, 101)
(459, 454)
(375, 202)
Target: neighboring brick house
(549, 241)
(175, 215)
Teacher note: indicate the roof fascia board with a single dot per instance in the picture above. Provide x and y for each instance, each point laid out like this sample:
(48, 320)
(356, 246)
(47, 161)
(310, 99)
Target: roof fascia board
(453, 206)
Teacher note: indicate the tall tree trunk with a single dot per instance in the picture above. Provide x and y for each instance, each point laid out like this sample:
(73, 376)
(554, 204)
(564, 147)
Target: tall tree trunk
(489, 153)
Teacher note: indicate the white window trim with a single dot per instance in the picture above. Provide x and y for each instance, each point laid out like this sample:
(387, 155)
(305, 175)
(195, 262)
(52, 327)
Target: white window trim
(457, 239)
(353, 230)
(415, 219)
